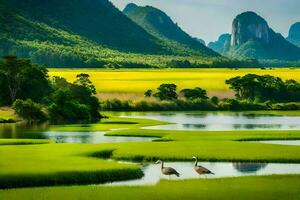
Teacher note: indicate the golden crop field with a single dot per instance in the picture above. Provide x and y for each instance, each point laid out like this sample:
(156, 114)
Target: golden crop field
(133, 83)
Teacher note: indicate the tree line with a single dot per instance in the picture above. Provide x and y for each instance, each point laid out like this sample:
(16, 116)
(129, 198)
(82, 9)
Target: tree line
(37, 97)
(253, 92)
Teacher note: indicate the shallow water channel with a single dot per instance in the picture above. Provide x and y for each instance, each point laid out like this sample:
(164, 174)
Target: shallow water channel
(21, 131)
(214, 121)
(181, 121)
(220, 169)
(282, 142)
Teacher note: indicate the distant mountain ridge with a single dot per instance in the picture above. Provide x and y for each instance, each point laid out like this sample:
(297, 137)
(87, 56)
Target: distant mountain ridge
(222, 45)
(294, 34)
(80, 33)
(159, 24)
(252, 37)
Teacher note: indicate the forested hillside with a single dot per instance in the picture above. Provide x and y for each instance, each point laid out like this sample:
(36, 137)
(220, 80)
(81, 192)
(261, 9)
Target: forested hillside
(84, 33)
(159, 24)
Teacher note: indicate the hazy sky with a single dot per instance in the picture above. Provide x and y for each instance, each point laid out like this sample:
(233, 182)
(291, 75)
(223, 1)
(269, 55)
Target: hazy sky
(207, 19)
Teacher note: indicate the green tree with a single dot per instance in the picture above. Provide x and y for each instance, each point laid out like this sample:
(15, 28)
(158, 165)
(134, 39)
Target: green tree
(196, 93)
(73, 102)
(29, 110)
(19, 79)
(167, 92)
(84, 80)
(264, 88)
(148, 93)
(293, 90)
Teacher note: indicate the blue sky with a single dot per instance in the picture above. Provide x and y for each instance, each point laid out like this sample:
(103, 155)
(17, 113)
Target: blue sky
(207, 19)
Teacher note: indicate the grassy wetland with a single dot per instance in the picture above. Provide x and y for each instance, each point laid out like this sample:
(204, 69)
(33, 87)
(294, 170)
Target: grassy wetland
(39, 164)
(73, 153)
(261, 188)
(98, 102)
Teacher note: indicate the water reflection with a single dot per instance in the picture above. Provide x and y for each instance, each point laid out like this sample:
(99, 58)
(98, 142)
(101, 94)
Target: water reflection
(220, 121)
(249, 167)
(23, 130)
(221, 170)
(256, 126)
(196, 126)
(41, 131)
(90, 137)
(282, 142)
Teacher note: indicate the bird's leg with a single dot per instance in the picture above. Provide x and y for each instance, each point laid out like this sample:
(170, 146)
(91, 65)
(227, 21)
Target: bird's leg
(169, 177)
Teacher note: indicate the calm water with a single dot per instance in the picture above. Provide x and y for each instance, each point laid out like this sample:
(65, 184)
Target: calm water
(181, 120)
(221, 170)
(220, 121)
(22, 131)
(90, 137)
(282, 142)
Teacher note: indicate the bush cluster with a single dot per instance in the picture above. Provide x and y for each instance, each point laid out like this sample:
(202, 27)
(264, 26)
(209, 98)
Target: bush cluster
(36, 97)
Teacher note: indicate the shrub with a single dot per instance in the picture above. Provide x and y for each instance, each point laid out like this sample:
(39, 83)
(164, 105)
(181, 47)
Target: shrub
(286, 106)
(214, 100)
(116, 105)
(148, 93)
(233, 104)
(29, 110)
(73, 101)
(196, 93)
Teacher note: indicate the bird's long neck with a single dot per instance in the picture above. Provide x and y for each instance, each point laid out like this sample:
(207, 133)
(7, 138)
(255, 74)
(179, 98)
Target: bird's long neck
(196, 162)
(162, 165)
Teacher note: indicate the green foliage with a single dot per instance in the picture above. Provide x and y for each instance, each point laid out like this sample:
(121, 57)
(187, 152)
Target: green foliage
(180, 64)
(236, 105)
(166, 92)
(275, 187)
(116, 105)
(265, 88)
(215, 100)
(52, 36)
(73, 102)
(19, 79)
(148, 93)
(196, 93)
(29, 110)
(155, 105)
(84, 81)
(160, 25)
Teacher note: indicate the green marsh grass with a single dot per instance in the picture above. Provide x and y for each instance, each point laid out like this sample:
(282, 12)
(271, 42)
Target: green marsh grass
(59, 164)
(45, 164)
(24, 141)
(245, 188)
